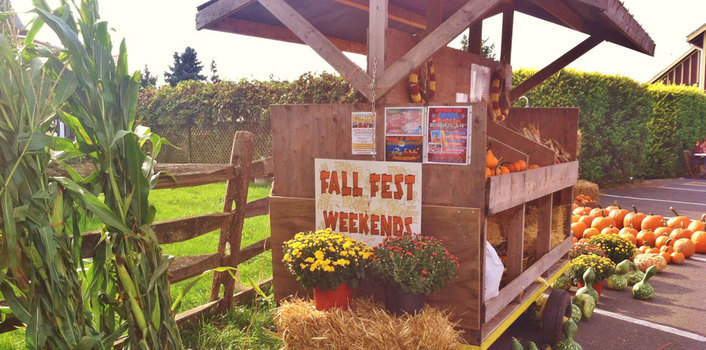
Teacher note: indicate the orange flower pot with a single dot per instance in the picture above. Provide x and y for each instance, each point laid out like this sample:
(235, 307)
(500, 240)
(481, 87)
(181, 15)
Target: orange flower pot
(341, 297)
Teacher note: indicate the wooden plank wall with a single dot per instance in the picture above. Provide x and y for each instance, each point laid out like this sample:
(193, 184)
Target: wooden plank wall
(552, 122)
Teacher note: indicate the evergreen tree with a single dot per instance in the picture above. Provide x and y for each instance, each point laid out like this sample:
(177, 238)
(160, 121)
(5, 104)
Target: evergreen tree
(147, 78)
(214, 73)
(486, 50)
(186, 67)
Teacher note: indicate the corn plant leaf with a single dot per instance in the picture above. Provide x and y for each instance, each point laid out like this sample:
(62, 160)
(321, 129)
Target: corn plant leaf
(18, 306)
(159, 271)
(94, 205)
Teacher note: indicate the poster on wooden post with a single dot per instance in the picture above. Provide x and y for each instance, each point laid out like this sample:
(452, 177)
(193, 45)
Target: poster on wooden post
(363, 133)
(448, 135)
(368, 200)
(404, 134)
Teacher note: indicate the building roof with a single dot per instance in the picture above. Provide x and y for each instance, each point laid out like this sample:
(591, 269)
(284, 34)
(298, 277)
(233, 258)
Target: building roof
(346, 21)
(696, 37)
(659, 75)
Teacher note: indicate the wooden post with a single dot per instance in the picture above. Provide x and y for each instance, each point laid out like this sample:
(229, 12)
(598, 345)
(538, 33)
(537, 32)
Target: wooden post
(506, 41)
(236, 191)
(515, 229)
(475, 38)
(377, 33)
(544, 225)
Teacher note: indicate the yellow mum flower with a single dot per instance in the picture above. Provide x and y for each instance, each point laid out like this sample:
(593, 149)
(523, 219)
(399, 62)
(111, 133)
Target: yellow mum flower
(319, 255)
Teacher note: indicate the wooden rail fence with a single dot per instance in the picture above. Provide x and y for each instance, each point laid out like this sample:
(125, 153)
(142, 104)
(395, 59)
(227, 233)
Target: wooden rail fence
(237, 174)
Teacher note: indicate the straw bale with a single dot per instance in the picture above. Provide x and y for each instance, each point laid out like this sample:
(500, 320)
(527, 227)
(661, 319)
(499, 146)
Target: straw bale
(586, 188)
(365, 326)
(559, 232)
(531, 229)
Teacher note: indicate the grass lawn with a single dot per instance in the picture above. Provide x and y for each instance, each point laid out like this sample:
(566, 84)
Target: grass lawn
(190, 201)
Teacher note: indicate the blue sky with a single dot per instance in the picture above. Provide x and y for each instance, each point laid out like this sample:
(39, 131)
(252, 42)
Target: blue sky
(155, 29)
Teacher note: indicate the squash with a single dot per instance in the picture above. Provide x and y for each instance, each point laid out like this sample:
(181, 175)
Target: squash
(516, 344)
(490, 160)
(529, 345)
(678, 221)
(643, 290)
(590, 232)
(619, 216)
(616, 282)
(686, 246)
(634, 275)
(634, 219)
(602, 221)
(677, 257)
(569, 328)
(652, 222)
(698, 225)
(562, 282)
(646, 237)
(623, 267)
(586, 303)
(699, 239)
(645, 261)
(575, 313)
(588, 278)
(577, 229)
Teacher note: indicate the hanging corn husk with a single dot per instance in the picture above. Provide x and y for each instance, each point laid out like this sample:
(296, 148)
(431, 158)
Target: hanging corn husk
(531, 131)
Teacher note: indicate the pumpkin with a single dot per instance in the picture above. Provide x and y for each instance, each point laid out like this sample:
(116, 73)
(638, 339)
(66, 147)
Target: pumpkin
(698, 225)
(490, 160)
(652, 222)
(613, 207)
(635, 218)
(577, 228)
(646, 237)
(610, 230)
(677, 257)
(590, 232)
(686, 246)
(629, 230)
(643, 290)
(520, 165)
(679, 221)
(619, 216)
(581, 211)
(575, 218)
(628, 237)
(699, 239)
(597, 212)
(510, 166)
(663, 230)
(680, 233)
(644, 261)
(602, 222)
(661, 240)
(587, 219)
(533, 166)
(488, 172)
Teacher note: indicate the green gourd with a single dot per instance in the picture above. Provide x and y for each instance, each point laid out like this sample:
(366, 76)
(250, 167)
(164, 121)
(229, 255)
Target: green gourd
(588, 277)
(643, 290)
(516, 344)
(616, 282)
(634, 275)
(623, 267)
(575, 313)
(569, 329)
(563, 282)
(586, 303)
(530, 345)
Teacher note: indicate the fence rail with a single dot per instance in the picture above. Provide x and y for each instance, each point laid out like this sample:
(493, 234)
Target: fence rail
(237, 173)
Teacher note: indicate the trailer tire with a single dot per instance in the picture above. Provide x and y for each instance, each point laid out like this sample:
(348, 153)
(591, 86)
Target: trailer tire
(558, 306)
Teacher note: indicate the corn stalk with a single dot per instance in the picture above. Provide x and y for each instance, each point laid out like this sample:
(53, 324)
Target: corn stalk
(102, 115)
(38, 276)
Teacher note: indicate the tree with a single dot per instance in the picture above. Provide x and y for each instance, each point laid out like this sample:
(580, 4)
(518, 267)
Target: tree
(186, 67)
(214, 73)
(486, 50)
(147, 78)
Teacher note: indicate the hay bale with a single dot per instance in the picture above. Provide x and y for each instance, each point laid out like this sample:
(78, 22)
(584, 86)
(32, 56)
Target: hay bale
(559, 232)
(586, 188)
(365, 326)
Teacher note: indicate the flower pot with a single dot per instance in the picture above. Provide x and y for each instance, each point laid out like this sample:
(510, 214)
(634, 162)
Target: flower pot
(597, 285)
(339, 297)
(399, 302)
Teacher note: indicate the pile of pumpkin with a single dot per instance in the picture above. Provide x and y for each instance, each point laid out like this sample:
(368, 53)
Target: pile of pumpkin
(495, 166)
(674, 239)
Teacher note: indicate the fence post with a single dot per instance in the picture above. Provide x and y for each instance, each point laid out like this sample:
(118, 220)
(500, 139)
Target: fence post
(191, 152)
(236, 191)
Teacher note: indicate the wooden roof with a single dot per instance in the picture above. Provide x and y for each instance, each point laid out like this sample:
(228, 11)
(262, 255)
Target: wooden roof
(345, 22)
(696, 37)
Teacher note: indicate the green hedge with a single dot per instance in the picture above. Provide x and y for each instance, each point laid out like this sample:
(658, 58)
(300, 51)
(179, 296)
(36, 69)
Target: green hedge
(629, 130)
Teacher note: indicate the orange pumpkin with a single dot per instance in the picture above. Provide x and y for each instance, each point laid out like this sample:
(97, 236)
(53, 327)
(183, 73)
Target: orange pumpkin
(490, 160)
(677, 257)
(667, 247)
(646, 237)
(587, 219)
(661, 240)
(699, 239)
(520, 165)
(629, 230)
(574, 206)
(679, 221)
(666, 256)
(599, 212)
(619, 216)
(511, 167)
(610, 230)
(635, 218)
(602, 221)
(652, 250)
(590, 232)
(664, 230)
(652, 222)
(577, 229)
(488, 172)
(680, 233)
(533, 166)
(575, 218)
(698, 225)
(582, 211)
(686, 246)
(628, 237)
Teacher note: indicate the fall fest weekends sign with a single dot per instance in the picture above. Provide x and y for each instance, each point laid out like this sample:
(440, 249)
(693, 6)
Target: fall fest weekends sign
(368, 200)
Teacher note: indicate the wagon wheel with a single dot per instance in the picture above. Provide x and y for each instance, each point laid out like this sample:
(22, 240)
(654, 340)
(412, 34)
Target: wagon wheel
(558, 306)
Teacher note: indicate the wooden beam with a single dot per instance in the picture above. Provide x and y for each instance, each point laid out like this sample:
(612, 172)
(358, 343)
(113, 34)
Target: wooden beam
(515, 230)
(257, 207)
(468, 14)
(435, 12)
(186, 175)
(628, 28)
(254, 250)
(261, 30)
(506, 40)
(564, 13)
(185, 267)
(475, 38)
(327, 50)
(395, 13)
(219, 10)
(377, 32)
(554, 67)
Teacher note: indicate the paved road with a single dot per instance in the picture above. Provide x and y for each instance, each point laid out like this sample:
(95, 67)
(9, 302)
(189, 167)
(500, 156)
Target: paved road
(687, 196)
(675, 319)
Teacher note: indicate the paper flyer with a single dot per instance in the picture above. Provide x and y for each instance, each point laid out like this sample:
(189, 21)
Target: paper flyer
(404, 134)
(363, 133)
(448, 135)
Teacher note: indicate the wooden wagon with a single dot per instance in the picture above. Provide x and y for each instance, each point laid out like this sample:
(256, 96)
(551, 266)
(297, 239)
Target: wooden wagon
(398, 36)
